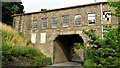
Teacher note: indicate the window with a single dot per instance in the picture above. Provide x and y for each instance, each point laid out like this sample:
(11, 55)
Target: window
(77, 19)
(34, 25)
(42, 37)
(65, 21)
(54, 22)
(44, 23)
(33, 37)
(91, 18)
(107, 16)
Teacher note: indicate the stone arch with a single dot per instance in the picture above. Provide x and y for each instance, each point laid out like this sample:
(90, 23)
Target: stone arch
(63, 44)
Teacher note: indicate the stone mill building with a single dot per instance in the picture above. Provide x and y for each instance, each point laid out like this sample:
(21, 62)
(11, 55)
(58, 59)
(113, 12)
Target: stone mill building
(55, 31)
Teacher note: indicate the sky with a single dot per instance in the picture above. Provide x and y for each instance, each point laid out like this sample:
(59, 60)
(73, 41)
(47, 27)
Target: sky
(37, 5)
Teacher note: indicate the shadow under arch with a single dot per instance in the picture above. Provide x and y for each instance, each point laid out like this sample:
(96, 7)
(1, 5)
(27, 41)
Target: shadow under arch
(63, 47)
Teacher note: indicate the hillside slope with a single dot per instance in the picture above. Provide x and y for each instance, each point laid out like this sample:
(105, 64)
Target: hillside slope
(16, 49)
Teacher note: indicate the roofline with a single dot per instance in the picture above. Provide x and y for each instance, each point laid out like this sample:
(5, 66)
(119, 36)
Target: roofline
(61, 8)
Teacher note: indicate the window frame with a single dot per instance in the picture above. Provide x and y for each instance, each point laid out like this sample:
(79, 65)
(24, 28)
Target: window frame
(80, 20)
(44, 23)
(54, 22)
(65, 20)
(34, 24)
(106, 13)
(92, 19)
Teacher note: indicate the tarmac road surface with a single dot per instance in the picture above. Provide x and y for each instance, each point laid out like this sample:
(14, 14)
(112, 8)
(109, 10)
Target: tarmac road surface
(66, 65)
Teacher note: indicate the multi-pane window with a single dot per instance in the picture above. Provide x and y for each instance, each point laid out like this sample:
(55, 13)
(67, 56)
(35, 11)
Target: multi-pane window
(44, 23)
(54, 22)
(91, 18)
(107, 16)
(78, 19)
(34, 24)
(65, 21)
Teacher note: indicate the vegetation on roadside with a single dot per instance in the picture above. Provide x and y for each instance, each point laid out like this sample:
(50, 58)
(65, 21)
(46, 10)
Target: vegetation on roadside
(106, 52)
(18, 51)
(78, 46)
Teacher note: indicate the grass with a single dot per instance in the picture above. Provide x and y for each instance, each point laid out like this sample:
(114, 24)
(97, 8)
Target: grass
(12, 36)
(15, 48)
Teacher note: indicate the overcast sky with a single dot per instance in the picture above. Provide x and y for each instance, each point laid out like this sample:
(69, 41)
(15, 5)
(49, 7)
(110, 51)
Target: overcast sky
(37, 5)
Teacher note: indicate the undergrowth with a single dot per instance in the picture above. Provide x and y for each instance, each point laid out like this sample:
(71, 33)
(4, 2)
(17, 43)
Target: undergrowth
(15, 48)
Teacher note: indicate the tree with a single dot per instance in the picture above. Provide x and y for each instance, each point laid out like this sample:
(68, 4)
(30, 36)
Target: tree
(107, 50)
(43, 9)
(9, 9)
(116, 5)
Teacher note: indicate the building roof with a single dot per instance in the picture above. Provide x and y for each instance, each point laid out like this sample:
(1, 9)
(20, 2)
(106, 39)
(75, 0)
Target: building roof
(61, 8)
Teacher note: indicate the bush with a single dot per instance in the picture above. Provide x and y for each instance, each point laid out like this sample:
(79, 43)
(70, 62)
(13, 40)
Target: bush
(11, 53)
(78, 46)
(107, 51)
(88, 63)
(21, 34)
(14, 53)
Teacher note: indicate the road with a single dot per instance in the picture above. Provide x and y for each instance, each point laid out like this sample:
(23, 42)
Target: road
(66, 65)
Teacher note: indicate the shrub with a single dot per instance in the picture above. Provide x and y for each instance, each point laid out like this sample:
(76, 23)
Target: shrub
(88, 63)
(107, 51)
(15, 49)
(78, 46)
(21, 34)
(11, 53)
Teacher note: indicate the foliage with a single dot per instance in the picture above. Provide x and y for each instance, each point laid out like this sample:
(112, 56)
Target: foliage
(9, 9)
(21, 34)
(43, 9)
(12, 37)
(107, 50)
(78, 46)
(116, 5)
(89, 62)
(14, 51)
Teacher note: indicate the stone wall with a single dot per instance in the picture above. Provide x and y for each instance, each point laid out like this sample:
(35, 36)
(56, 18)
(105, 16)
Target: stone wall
(23, 23)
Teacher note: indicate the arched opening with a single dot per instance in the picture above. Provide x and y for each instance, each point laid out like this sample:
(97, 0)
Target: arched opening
(63, 47)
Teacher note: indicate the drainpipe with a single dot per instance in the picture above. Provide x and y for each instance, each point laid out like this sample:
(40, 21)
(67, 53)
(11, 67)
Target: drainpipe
(101, 12)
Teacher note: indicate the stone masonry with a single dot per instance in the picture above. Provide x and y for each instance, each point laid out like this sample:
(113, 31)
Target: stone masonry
(23, 23)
